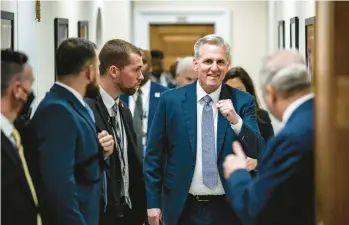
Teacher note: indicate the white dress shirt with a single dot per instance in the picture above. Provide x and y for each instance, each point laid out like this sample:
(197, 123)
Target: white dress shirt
(74, 92)
(145, 98)
(109, 103)
(293, 106)
(7, 128)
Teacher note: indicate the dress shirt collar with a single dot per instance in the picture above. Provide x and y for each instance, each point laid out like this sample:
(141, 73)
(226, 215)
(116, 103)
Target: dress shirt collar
(146, 87)
(6, 126)
(200, 93)
(74, 92)
(109, 102)
(293, 106)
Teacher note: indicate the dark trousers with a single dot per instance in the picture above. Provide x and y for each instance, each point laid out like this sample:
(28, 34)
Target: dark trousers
(215, 211)
(122, 216)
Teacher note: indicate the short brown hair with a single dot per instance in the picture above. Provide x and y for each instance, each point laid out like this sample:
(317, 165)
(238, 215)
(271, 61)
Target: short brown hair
(116, 52)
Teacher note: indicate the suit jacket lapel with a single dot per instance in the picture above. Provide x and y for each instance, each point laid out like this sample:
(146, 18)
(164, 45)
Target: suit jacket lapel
(10, 150)
(223, 123)
(151, 104)
(104, 115)
(75, 103)
(190, 115)
(130, 141)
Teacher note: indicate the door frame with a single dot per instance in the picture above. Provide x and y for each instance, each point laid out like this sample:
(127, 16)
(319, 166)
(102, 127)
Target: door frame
(143, 17)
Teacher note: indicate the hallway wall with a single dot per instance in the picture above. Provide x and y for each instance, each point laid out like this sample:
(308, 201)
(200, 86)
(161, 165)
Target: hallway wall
(284, 10)
(36, 39)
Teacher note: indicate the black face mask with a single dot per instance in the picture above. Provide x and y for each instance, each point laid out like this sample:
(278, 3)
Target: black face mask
(26, 105)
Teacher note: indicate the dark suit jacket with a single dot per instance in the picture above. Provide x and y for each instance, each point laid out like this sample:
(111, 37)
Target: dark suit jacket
(283, 190)
(153, 100)
(172, 139)
(65, 137)
(137, 190)
(17, 204)
(264, 124)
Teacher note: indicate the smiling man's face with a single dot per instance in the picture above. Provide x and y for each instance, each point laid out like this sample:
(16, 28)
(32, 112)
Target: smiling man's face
(211, 66)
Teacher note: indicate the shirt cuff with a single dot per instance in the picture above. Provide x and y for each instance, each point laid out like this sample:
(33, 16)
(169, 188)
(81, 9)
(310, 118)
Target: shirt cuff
(237, 127)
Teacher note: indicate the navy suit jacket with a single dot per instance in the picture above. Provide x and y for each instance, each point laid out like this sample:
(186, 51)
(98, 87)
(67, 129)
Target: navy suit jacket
(283, 191)
(171, 151)
(153, 100)
(66, 140)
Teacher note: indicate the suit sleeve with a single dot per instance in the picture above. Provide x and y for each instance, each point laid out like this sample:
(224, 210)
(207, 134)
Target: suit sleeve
(154, 156)
(250, 136)
(56, 133)
(248, 196)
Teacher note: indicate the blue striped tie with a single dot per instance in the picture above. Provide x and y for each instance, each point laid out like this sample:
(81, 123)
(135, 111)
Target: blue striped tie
(209, 156)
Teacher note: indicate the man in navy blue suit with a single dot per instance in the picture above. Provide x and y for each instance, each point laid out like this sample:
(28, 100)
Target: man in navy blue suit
(144, 103)
(65, 136)
(192, 132)
(283, 190)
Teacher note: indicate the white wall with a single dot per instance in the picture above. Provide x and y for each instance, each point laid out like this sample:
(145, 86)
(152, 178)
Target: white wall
(36, 39)
(248, 26)
(284, 10)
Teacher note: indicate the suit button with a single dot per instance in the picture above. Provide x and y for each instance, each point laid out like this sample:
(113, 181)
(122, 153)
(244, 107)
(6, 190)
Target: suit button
(187, 189)
(193, 166)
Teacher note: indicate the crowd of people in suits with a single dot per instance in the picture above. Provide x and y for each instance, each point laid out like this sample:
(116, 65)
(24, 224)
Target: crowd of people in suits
(119, 141)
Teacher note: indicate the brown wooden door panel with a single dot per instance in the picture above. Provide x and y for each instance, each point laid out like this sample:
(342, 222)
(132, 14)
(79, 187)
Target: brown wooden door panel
(177, 40)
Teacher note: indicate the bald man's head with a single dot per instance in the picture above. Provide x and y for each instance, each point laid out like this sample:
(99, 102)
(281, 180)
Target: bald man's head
(284, 76)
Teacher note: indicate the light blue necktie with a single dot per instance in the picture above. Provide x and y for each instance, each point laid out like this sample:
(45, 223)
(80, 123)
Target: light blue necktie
(104, 179)
(209, 156)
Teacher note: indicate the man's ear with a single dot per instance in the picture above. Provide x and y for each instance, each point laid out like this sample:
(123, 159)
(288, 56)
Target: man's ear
(270, 94)
(16, 90)
(195, 65)
(114, 72)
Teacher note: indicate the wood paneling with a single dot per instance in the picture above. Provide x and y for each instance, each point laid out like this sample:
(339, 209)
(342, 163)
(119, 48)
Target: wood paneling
(332, 112)
(177, 40)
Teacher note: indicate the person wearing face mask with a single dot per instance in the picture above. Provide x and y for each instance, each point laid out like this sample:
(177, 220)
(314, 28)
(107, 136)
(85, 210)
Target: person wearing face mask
(143, 104)
(283, 190)
(19, 197)
(192, 132)
(65, 136)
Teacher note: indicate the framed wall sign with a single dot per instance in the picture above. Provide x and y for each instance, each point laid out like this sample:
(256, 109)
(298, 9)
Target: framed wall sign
(281, 34)
(310, 44)
(7, 30)
(83, 30)
(61, 32)
(294, 33)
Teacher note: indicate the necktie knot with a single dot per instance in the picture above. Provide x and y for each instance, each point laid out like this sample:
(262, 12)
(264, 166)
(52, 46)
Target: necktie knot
(115, 107)
(207, 99)
(140, 91)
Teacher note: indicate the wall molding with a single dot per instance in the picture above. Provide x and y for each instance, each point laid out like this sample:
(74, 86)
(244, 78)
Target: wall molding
(143, 17)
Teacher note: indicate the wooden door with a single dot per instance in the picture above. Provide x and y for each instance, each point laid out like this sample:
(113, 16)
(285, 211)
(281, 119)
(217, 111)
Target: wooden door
(177, 40)
(332, 112)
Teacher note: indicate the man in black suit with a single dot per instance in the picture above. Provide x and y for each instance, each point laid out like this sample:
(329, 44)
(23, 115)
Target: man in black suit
(19, 200)
(120, 69)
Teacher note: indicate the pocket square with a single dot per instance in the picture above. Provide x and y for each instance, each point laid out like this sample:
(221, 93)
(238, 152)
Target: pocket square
(157, 94)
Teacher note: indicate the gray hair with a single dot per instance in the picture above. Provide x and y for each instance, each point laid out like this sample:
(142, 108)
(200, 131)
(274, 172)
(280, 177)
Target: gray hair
(184, 64)
(212, 39)
(286, 72)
